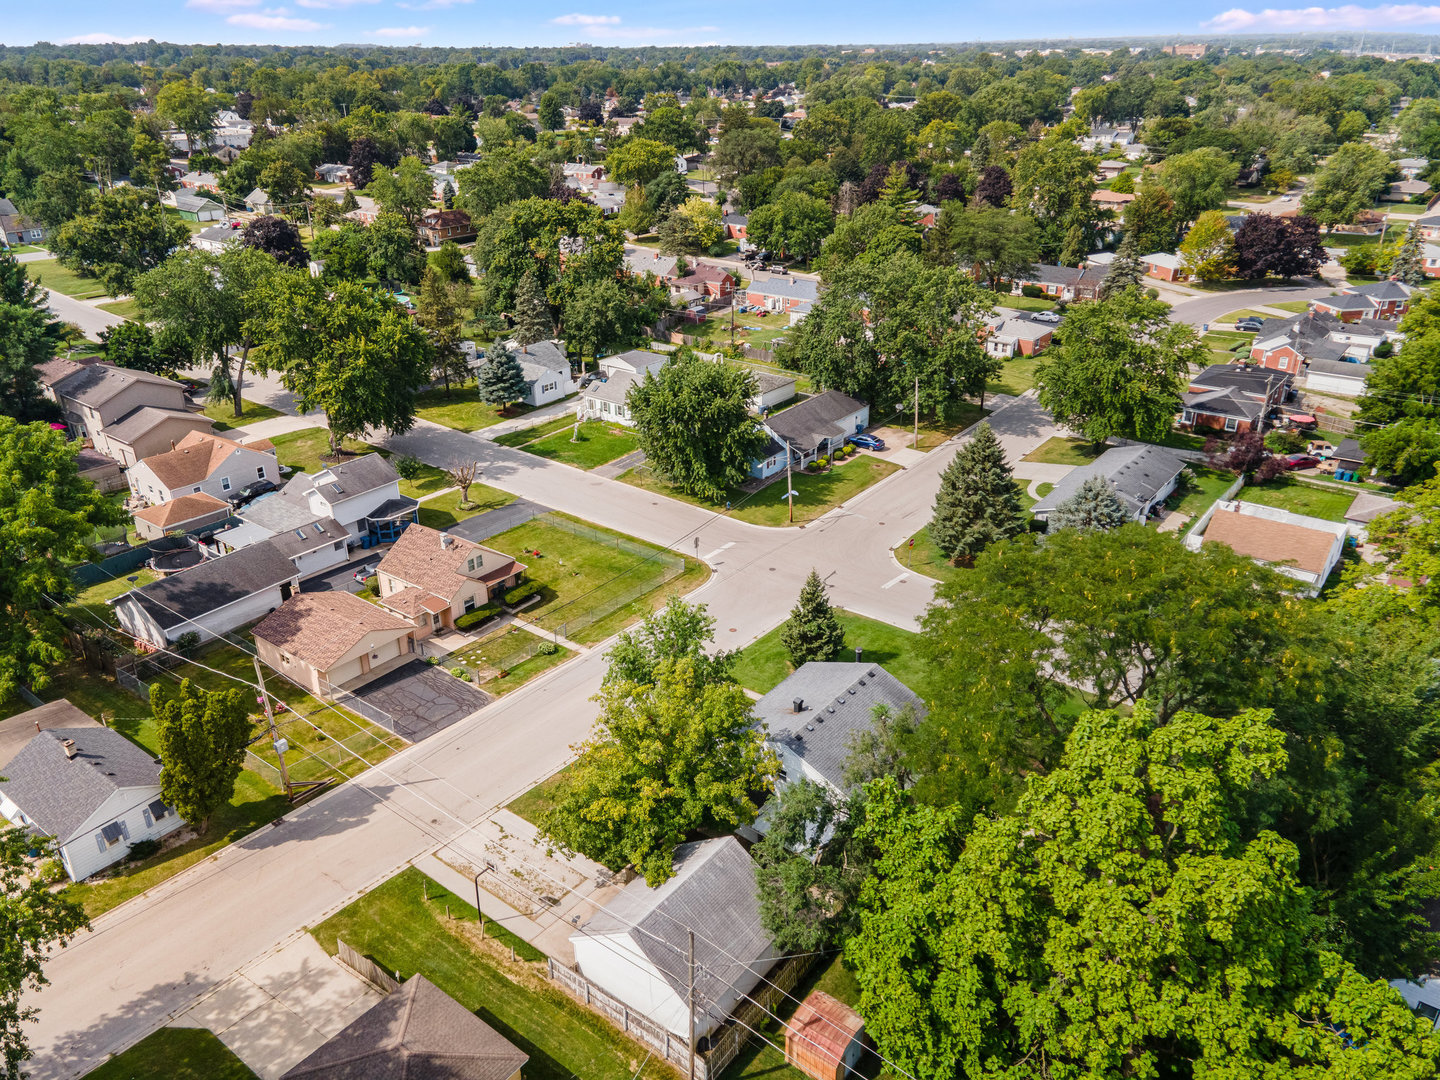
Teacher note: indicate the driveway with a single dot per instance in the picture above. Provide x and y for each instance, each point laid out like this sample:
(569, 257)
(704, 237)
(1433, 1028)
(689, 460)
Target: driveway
(341, 578)
(493, 522)
(419, 700)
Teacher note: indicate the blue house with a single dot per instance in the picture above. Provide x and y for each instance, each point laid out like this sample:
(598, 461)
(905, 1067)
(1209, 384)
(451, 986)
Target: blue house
(814, 428)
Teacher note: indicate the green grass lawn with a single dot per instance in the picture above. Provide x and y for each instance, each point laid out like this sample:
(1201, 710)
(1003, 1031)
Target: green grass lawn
(461, 410)
(1243, 313)
(402, 931)
(126, 309)
(582, 575)
(443, 511)
(750, 328)
(818, 493)
(93, 599)
(535, 803)
(934, 431)
(222, 411)
(921, 554)
(1017, 376)
(1024, 303)
(1300, 498)
(513, 652)
(175, 1053)
(539, 431)
(1198, 489)
(1299, 307)
(1223, 344)
(597, 444)
(303, 449)
(1062, 451)
(52, 275)
(763, 666)
(1407, 208)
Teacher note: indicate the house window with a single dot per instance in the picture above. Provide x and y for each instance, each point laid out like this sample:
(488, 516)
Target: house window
(260, 471)
(1187, 417)
(469, 604)
(1231, 424)
(1284, 363)
(225, 484)
(1427, 1012)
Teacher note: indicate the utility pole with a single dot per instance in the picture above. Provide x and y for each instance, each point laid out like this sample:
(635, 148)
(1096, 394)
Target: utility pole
(692, 1005)
(789, 491)
(274, 735)
(732, 318)
(916, 443)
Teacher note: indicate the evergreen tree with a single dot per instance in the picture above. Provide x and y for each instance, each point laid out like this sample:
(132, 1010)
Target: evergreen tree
(349, 202)
(978, 502)
(1126, 270)
(501, 380)
(812, 631)
(1408, 266)
(1094, 506)
(532, 311)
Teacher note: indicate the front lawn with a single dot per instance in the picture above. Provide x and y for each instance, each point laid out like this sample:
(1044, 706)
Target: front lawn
(1017, 376)
(540, 799)
(597, 443)
(49, 273)
(303, 449)
(595, 574)
(1299, 307)
(175, 1053)
(1024, 303)
(461, 409)
(222, 411)
(509, 658)
(539, 431)
(401, 930)
(1059, 450)
(1300, 498)
(126, 309)
(764, 665)
(922, 555)
(816, 493)
(444, 511)
(1243, 313)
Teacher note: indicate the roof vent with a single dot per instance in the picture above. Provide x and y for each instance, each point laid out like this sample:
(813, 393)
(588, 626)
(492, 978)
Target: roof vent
(809, 727)
(852, 689)
(839, 701)
(798, 704)
(446, 540)
(831, 710)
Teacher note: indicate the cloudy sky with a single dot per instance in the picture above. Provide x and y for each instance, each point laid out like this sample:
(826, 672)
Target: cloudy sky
(637, 22)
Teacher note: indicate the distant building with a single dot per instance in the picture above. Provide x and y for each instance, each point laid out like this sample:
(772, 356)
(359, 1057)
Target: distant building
(1300, 547)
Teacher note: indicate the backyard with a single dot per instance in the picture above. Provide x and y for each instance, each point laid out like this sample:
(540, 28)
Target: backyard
(751, 328)
(402, 926)
(1300, 498)
(816, 493)
(763, 665)
(595, 581)
(174, 1053)
(1198, 488)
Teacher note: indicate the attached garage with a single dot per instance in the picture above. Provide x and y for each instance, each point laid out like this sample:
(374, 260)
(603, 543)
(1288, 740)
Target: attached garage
(332, 641)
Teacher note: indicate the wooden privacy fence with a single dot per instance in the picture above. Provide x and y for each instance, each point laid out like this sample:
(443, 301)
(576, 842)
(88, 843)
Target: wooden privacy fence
(365, 968)
(638, 1026)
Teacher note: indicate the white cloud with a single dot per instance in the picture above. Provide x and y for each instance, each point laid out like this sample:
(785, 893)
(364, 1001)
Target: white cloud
(577, 19)
(1348, 17)
(431, 5)
(102, 39)
(221, 5)
(273, 19)
(413, 32)
(333, 3)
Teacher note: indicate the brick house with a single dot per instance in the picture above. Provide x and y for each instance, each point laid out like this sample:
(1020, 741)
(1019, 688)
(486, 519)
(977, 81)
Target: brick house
(1232, 398)
(1164, 265)
(437, 226)
(780, 292)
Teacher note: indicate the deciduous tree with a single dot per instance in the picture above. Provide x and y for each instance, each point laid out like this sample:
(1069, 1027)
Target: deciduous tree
(978, 502)
(999, 244)
(795, 224)
(202, 736)
(1208, 250)
(278, 238)
(407, 191)
(117, 236)
(1352, 179)
(1286, 247)
(692, 228)
(994, 188)
(1197, 181)
(679, 630)
(394, 251)
(812, 632)
(639, 161)
(29, 335)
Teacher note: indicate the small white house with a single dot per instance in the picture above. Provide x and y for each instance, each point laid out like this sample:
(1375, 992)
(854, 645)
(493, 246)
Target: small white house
(546, 368)
(1300, 547)
(771, 390)
(89, 787)
(636, 948)
(608, 399)
(362, 494)
(1336, 377)
(636, 362)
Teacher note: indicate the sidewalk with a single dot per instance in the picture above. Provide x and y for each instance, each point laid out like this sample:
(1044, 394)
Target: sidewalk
(278, 425)
(529, 420)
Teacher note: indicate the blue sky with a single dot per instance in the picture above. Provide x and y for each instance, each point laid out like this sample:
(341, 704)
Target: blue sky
(637, 22)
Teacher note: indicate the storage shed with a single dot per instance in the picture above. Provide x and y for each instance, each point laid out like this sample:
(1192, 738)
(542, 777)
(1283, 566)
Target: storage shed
(825, 1038)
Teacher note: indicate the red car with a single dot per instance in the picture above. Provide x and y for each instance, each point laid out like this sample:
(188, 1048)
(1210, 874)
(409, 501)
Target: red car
(1301, 461)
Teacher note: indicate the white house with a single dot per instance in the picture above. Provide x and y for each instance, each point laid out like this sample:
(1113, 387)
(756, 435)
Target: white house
(771, 390)
(362, 495)
(1336, 377)
(546, 368)
(259, 202)
(1142, 476)
(814, 428)
(217, 238)
(607, 399)
(636, 362)
(1301, 547)
(89, 787)
(636, 947)
(213, 598)
(202, 462)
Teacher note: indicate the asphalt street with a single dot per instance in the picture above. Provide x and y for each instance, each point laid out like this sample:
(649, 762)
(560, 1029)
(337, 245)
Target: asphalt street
(149, 959)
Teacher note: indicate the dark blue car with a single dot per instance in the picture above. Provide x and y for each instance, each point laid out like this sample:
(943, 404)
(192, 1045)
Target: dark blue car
(867, 442)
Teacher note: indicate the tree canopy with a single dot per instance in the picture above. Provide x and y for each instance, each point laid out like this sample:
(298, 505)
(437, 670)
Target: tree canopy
(202, 736)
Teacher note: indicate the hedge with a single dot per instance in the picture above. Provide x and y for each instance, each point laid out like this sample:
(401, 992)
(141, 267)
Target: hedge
(520, 593)
(476, 617)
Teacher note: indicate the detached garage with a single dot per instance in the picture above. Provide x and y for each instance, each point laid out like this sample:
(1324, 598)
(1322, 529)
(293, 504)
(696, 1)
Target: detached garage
(329, 641)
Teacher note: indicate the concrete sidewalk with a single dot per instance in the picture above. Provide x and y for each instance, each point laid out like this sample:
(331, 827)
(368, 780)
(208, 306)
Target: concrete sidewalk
(277, 425)
(530, 419)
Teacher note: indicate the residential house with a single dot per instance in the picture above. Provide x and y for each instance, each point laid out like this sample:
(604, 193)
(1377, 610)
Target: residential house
(437, 226)
(1345, 377)
(187, 513)
(926, 215)
(333, 641)
(1112, 200)
(707, 279)
(121, 411)
(582, 174)
(211, 598)
(417, 1031)
(332, 174)
(1405, 191)
(635, 362)
(1142, 476)
(1428, 225)
(781, 292)
(92, 789)
(825, 1038)
(1373, 300)
(432, 578)
(1014, 333)
(1300, 547)
(1365, 509)
(197, 207)
(362, 495)
(16, 228)
(259, 202)
(814, 428)
(1422, 995)
(771, 390)
(200, 181)
(1102, 137)
(101, 470)
(811, 718)
(1062, 282)
(1164, 265)
(636, 948)
(610, 198)
(1410, 168)
(642, 261)
(546, 369)
(1109, 169)
(1329, 349)
(217, 238)
(737, 226)
(1234, 398)
(313, 543)
(607, 398)
(203, 462)
(366, 209)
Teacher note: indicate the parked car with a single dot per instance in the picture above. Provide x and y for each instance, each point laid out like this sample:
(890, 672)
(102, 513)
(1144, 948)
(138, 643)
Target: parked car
(1249, 324)
(1046, 317)
(366, 572)
(1301, 461)
(867, 442)
(251, 492)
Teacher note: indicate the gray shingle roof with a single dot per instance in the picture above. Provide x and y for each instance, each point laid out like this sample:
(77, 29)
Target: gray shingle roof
(58, 793)
(98, 383)
(419, 1032)
(1246, 380)
(838, 702)
(213, 584)
(295, 542)
(1137, 473)
(223, 234)
(614, 390)
(713, 894)
(1223, 402)
(354, 477)
(145, 419)
(814, 419)
(1381, 290)
(1326, 366)
(791, 287)
(541, 354)
(1349, 450)
(194, 203)
(765, 381)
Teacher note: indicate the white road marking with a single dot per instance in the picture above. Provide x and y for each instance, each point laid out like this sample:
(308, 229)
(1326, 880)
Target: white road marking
(896, 580)
(717, 551)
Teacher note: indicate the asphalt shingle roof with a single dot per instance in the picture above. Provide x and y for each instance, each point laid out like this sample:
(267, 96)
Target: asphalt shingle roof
(1136, 473)
(354, 477)
(95, 384)
(814, 419)
(146, 419)
(321, 627)
(212, 585)
(58, 793)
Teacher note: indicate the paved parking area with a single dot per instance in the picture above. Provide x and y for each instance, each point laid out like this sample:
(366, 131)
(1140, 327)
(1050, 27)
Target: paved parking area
(421, 699)
(342, 578)
(282, 1007)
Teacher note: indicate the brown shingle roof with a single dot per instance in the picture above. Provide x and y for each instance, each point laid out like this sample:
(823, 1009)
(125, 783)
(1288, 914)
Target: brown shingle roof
(321, 627)
(411, 601)
(52, 371)
(1271, 541)
(194, 458)
(180, 510)
(419, 559)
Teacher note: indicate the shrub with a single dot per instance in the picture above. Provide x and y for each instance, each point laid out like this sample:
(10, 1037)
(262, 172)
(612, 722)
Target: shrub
(432, 660)
(51, 870)
(187, 642)
(372, 583)
(1284, 442)
(476, 617)
(1384, 349)
(522, 592)
(1153, 293)
(143, 850)
(1034, 292)
(408, 466)
(547, 648)
(460, 673)
(821, 462)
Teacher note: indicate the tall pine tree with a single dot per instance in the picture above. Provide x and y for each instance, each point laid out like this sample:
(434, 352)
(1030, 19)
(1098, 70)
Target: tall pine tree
(978, 502)
(812, 632)
(532, 311)
(1094, 506)
(1126, 270)
(500, 379)
(1408, 266)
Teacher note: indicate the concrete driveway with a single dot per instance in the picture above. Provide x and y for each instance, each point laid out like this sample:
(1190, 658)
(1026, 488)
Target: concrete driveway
(342, 578)
(420, 699)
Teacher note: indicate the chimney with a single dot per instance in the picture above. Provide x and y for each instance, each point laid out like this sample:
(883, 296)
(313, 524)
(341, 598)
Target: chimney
(70, 749)
(446, 540)
(799, 704)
